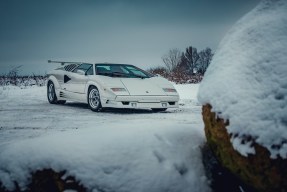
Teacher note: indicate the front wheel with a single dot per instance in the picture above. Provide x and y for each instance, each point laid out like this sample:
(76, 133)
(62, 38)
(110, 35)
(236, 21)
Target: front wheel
(94, 100)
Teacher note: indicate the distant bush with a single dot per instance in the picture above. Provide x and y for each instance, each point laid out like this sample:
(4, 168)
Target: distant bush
(176, 76)
(13, 78)
(23, 81)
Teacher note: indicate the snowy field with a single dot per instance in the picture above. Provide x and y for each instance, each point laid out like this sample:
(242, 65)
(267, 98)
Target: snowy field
(115, 150)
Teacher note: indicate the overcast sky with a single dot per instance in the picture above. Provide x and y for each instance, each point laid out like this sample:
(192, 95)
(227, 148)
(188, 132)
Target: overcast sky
(137, 32)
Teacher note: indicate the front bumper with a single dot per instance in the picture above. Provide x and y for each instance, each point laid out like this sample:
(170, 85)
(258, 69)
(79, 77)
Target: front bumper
(142, 102)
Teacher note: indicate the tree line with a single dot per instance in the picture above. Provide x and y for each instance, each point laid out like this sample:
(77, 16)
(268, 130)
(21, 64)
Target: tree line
(179, 67)
(184, 67)
(13, 78)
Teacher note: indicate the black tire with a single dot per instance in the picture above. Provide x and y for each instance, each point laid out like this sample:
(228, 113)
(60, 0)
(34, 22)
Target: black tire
(94, 99)
(159, 109)
(51, 94)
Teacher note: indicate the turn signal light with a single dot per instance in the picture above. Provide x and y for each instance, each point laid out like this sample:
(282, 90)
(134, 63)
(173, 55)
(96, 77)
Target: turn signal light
(118, 89)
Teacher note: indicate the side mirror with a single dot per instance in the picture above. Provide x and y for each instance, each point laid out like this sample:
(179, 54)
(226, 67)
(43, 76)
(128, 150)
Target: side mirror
(81, 72)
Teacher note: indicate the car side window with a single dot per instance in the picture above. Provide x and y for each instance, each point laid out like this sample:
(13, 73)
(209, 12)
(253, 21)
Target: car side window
(70, 67)
(85, 67)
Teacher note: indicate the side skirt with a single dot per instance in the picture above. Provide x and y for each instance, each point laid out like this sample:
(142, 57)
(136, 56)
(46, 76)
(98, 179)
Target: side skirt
(67, 95)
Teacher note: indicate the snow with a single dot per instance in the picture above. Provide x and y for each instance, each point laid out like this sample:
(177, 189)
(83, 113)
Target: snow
(246, 81)
(117, 150)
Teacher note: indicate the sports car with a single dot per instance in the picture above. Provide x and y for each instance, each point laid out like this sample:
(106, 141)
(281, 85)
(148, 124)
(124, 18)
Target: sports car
(109, 85)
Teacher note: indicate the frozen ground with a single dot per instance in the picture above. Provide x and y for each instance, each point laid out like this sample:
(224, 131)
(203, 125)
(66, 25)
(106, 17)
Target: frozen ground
(114, 150)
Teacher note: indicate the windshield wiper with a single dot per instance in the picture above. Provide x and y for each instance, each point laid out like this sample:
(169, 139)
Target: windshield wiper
(119, 74)
(104, 73)
(139, 76)
(127, 75)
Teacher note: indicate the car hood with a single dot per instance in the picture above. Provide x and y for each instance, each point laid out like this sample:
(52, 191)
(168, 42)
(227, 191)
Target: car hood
(145, 86)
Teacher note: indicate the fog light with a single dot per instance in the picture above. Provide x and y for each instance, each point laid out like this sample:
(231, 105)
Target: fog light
(134, 105)
(164, 104)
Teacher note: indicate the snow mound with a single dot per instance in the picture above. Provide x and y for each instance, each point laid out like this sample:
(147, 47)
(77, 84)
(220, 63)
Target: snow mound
(113, 158)
(246, 81)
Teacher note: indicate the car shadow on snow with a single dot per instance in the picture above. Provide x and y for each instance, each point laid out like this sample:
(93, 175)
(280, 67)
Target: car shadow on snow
(76, 105)
(112, 110)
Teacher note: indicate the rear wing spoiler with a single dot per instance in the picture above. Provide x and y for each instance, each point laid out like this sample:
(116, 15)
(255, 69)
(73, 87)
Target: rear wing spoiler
(64, 62)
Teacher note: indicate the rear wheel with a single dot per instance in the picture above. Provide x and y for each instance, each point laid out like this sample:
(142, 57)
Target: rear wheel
(51, 94)
(159, 109)
(94, 100)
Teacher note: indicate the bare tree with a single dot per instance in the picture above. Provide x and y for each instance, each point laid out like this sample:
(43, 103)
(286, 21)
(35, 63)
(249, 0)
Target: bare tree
(191, 57)
(182, 65)
(13, 74)
(205, 57)
(172, 59)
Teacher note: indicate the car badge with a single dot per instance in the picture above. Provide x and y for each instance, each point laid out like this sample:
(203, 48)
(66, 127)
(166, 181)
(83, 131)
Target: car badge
(147, 92)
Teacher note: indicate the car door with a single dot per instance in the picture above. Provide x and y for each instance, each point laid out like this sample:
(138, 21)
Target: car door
(76, 80)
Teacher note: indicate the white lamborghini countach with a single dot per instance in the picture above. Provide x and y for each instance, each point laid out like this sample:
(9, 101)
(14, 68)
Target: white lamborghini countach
(106, 85)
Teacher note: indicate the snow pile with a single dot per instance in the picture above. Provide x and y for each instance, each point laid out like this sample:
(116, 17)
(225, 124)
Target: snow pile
(187, 91)
(247, 79)
(107, 151)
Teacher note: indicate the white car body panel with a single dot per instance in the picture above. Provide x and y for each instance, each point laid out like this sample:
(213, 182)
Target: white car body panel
(141, 93)
(142, 87)
(77, 84)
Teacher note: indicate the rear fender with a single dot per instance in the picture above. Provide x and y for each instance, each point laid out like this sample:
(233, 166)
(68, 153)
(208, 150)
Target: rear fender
(55, 81)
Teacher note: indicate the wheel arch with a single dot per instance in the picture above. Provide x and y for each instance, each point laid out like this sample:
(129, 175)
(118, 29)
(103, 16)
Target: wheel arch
(99, 88)
(54, 81)
(95, 84)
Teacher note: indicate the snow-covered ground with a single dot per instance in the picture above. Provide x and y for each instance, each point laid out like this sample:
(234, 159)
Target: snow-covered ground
(114, 150)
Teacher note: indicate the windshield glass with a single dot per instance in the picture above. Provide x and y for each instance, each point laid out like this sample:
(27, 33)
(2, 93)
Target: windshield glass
(121, 70)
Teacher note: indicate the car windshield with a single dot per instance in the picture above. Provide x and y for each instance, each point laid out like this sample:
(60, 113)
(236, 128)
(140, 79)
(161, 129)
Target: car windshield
(121, 70)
